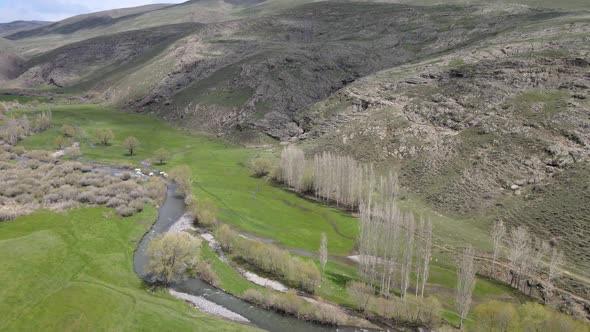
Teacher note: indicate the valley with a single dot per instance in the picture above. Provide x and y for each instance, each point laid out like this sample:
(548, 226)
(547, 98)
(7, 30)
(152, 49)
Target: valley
(459, 117)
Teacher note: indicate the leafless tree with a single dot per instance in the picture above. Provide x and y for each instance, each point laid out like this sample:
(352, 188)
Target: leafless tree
(498, 233)
(410, 226)
(542, 250)
(465, 283)
(520, 254)
(324, 252)
(419, 254)
(427, 254)
(555, 264)
(292, 166)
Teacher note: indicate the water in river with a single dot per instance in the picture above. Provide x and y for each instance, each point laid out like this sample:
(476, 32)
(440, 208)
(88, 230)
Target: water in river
(172, 209)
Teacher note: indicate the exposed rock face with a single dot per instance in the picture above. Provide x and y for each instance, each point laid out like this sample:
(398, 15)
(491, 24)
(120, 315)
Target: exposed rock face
(289, 61)
(89, 59)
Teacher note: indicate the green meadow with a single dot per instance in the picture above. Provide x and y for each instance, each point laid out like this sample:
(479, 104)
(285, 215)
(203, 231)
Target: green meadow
(74, 272)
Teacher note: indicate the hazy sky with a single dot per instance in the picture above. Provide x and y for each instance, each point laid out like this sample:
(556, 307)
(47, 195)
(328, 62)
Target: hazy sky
(54, 10)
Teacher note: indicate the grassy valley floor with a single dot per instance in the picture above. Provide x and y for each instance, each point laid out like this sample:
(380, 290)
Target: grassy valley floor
(251, 204)
(74, 272)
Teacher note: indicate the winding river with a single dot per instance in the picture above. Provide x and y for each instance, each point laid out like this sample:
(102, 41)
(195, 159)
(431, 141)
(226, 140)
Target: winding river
(172, 209)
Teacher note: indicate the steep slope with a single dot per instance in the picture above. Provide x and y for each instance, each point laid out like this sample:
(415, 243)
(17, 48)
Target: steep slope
(257, 74)
(497, 130)
(77, 62)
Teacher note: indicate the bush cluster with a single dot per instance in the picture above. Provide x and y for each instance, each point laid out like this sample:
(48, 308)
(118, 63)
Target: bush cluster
(204, 212)
(296, 272)
(16, 129)
(292, 304)
(26, 186)
(205, 271)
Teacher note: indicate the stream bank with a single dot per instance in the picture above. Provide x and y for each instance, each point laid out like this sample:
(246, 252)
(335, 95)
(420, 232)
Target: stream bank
(170, 212)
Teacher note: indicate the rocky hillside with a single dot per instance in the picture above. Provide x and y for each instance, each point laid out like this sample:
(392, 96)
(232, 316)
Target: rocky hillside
(499, 129)
(483, 108)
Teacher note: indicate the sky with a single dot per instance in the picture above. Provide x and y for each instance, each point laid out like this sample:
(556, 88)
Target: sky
(55, 10)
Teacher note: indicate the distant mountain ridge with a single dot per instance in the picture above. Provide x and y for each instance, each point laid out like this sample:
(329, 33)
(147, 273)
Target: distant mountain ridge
(20, 25)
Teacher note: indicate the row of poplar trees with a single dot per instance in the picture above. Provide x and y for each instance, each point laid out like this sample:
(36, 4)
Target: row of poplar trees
(392, 245)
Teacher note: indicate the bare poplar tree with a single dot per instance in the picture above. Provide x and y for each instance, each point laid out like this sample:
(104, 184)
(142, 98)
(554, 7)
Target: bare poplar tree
(324, 252)
(427, 253)
(542, 249)
(410, 226)
(292, 167)
(465, 284)
(555, 264)
(419, 254)
(557, 260)
(520, 253)
(498, 233)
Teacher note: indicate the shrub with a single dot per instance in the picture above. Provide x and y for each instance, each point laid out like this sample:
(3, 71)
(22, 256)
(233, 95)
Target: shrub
(73, 152)
(43, 156)
(171, 255)
(104, 136)
(297, 272)
(156, 189)
(125, 211)
(411, 310)
(182, 176)
(115, 202)
(19, 150)
(162, 156)
(360, 294)
(496, 316)
(86, 197)
(206, 272)
(227, 237)
(7, 214)
(262, 166)
(292, 304)
(131, 144)
(205, 212)
(68, 130)
(61, 142)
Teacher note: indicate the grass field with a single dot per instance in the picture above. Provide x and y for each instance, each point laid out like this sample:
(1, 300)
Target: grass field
(74, 272)
(255, 205)
(22, 99)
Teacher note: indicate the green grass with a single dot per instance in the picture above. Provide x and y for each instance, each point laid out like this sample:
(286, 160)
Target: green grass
(251, 204)
(22, 99)
(74, 272)
(231, 281)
